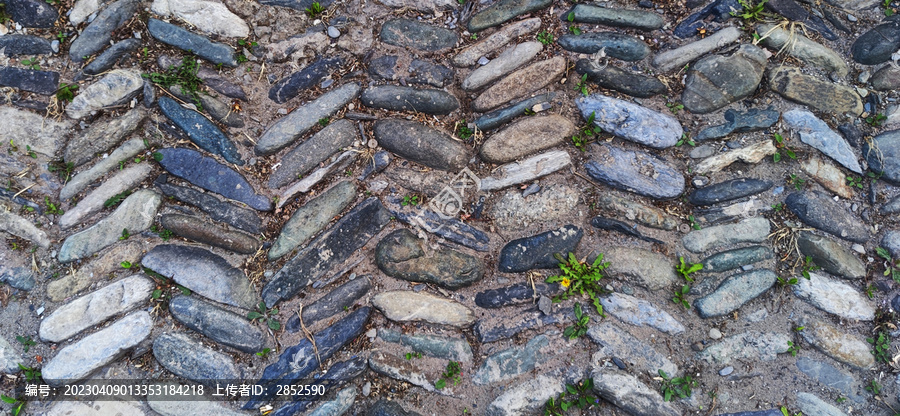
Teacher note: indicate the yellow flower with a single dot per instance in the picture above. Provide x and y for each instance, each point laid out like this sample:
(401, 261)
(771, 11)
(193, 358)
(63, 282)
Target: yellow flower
(565, 282)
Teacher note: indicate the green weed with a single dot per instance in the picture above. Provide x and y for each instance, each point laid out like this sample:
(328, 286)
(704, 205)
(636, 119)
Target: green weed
(580, 326)
(184, 76)
(881, 347)
(265, 315)
(579, 395)
(545, 38)
(678, 386)
(453, 372)
(580, 277)
(685, 269)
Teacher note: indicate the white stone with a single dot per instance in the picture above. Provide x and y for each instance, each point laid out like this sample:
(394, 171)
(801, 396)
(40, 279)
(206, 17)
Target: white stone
(208, 16)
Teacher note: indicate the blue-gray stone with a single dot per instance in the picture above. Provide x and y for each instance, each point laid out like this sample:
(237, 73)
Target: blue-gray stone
(614, 45)
(192, 360)
(628, 171)
(450, 228)
(640, 312)
(40, 82)
(735, 122)
(499, 117)
(330, 249)
(720, 9)
(726, 371)
(512, 295)
(630, 121)
(728, 191)
(733, 259)
(331, 304)
(299, 5)
(448, 348)
(717, 80)
(877, 45)
(610, 224)
(638, 19)
(421, 144)
(608, 76)
(299, 361)
(829, 376)
(511, 362)
(400, 255)
(200, 130)
(211, 175)
(820, 211)
(32, 13)
(734, 292)
(397, 98)
(490, 329)
(794, 12)
(337, 375)
(98, 34)
(14, 271)
(217, 53)
(13, 45)
(243, 218)
(380, 160)
(818, 134)
(392, 68)
(539, 251)
(110, 56)
(303, 79)
(407, 33)
(220, 325)
(503, 11)
(883, 155)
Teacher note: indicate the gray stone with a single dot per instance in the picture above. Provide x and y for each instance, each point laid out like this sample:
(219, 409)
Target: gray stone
(634, 211)
(106, 263)
(527, 170)
(716, 81)
(613, 44)
(405, 306)
(106, 60)
(84, 178)
(94, 308)
(82, 10)
(421, 144)
(192, 360)
(606, 76)
(551, 206)
(77, 361)
(14, 45)
(9, 358)
(728, 191)
(173, 405)
(313, 151)
(415, 71)
(220, 325)
(495, 328)
(449, 228)
(679, 57)
(412, 34)
(631, 395)
(217, 53)
(339, 405)
(886, 78)
(135, 214)
(763, 346)
(831, 256)
(243, 218)
(638, 312)
(829, 376)
(638, 19)
(733, 259)
(193, 228)
(101, 136)
(312, 217)
(99, 32)
(503, 11)
(616, 342)
(526, 397)
(207, 173)
(510, 363)
(397, 368)
(644, 268)
(821, 95)
(634, 171)
(834, 297)
(630, 121)
(23, 228)
(735, 122)
(802, 48)
(750, 230)
(95, 201)
(401, 255)
(448, 348)
(883, 155)
(734, 292)
(331, 304)
(810, 404)
(116, 87)
(891, 242)
(525, 137)
(200, 130)
(32, 13)
(207, 16)
(817, 134)
(496, 40)
(510, 60)
(25, 128)
(833, 342)
(203, 272)
(397, 98)
(524, 81)
(820, 211)
(539, 251)
(36, 81)
(289, 128)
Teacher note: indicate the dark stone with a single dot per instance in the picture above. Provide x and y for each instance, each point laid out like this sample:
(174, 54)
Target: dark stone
(820, 211)
(380, 160)
(539, 251)
(32, 13)
(614, 45)
(835, 21)
(111, 56)
(728, 191)
(337, 375)
(395, 98)
(313, 151)
(201, 131)
(300, 5)
(492, 329)
(98, 34)
(305, 78)
(407, 33)
(217, 53)
(610, 224)
(883, 155)
(639, 19)
(299, 361)
(400, 255)
(149, 92)
(208, 174)
(715, 81)
(13, 45)
(450, 228)
(421, 144)
(877, 45)
(513, 295)
(628, 170)
(389, 408)
(852, 133)
(735, 122)
(720, 9)
(331, 304)
(192, 360)
(220, 325)
(831, 256)
(345, 237)
(202, 231)
(635, 85)
(393, 68)
(503, 11)
(794, 12)
(770, 412)
(40, 82)
(733, 259)
(499, 117)
(226, 212)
